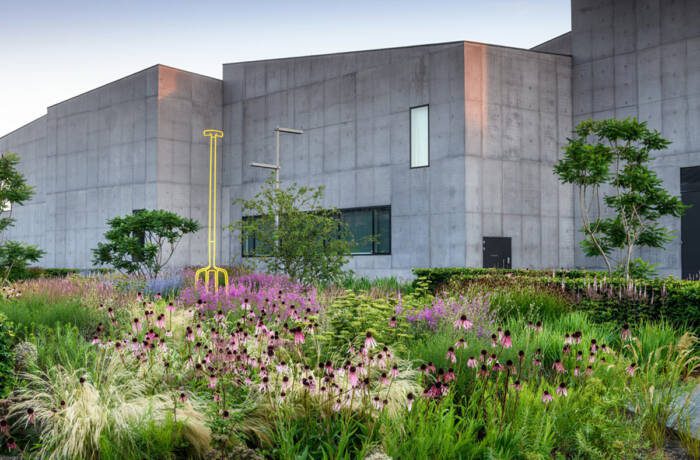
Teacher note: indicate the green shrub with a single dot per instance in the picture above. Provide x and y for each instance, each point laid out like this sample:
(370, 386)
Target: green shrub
(6, 355)
(29, 312)
(605, 299)
(351, 316)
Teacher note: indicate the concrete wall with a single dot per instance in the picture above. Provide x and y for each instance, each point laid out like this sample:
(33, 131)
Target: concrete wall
(498, 117)
(354, 109)
(518, 116)
(187, 104)
(641, 58)
(124, 146)
(557, 45)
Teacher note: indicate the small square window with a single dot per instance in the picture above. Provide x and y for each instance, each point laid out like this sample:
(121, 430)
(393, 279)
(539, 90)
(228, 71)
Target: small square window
(420, 133)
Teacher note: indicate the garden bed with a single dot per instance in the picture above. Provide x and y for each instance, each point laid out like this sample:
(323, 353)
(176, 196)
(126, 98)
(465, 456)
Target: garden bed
(269, 368)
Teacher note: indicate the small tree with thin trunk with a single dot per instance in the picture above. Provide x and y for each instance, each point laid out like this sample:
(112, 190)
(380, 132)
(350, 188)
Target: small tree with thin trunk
(14, 190)
(143, 242)
(621, 199)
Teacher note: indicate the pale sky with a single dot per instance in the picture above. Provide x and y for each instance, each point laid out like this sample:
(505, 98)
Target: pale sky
(53, 50)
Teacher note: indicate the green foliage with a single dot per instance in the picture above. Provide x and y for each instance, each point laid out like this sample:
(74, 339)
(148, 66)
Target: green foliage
(309, 242)
(6, 355)
(616, 154)
(143, 242)
(604, 298)
(530, 303)
(14, 190)
(349, 317)
(28, 313)
(14, 258)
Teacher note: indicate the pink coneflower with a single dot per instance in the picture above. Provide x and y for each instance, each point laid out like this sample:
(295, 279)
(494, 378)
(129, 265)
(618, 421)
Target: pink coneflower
(10, 444)
(567, 339)
(394, 371)
(110, 313)
(352, 376)
(589, 371)
(158, 296)
(494, 340)
(626, 334)
(337, 405)
(95, 340)
(160, 322)
(594, 345)
(546, 397)
(538, 326)
(451, 355)
(377, 403)
(431, 367)
(577, 371)
(4, 426)
(579, 355)
(449, 375)
(136, 326)
(471, 362)
(384, 379)
(139, 297)
(483, 372)
(463, 323)
(591, 358)
(506, 341)
(409, 401)
(392, 322)
(517, 385)
(212, 381)
(245, 305)
(264, 385)
(170, 307)
(189, 334)
(567, 349)
(370, 343)
(558, 367)
(298, 336)
(577, 337)
(631, 369)
(461, 343)
(183, 397)
(498, 367)
(561, 389)
(483, 355)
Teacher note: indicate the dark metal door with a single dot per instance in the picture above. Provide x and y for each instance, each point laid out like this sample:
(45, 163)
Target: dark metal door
(690, 222)
(497, 252)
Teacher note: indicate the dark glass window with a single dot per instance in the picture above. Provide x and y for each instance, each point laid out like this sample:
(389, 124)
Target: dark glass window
(251, 246)
(370, 229)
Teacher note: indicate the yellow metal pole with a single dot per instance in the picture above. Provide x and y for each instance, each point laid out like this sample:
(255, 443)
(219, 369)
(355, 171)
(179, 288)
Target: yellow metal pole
(211, 269)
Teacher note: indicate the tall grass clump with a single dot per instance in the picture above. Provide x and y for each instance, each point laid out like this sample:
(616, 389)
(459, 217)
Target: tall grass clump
(32, 311)
(79, 412)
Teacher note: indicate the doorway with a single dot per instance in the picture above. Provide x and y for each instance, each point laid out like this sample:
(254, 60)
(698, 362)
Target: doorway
(497, 252)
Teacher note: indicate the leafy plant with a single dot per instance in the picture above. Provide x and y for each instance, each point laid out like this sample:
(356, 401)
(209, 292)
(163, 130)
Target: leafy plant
(294, 234)
(143, 242)
(14, 190)
(614, 155)
(6, 355)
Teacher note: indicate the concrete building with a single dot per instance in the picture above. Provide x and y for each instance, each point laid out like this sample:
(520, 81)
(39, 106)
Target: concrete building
(443, 151)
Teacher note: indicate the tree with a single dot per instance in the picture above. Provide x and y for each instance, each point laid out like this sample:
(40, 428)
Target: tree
(309, 243)
(143, 242)
(14, 190)
(614, 155)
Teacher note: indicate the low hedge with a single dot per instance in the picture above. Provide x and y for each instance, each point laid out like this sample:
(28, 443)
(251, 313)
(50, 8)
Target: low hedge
(440, 276)
(604, 298)
(41, 272)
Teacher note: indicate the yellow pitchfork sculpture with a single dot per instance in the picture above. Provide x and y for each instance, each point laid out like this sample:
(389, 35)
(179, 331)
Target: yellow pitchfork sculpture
(211, 269)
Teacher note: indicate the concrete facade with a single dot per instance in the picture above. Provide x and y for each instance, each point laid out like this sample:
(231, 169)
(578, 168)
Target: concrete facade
(499, 118)
(110, 151)
(641, 58)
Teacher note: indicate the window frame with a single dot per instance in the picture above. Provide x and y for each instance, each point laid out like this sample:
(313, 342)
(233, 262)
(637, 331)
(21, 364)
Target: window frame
(373, 210)
(410, 136)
